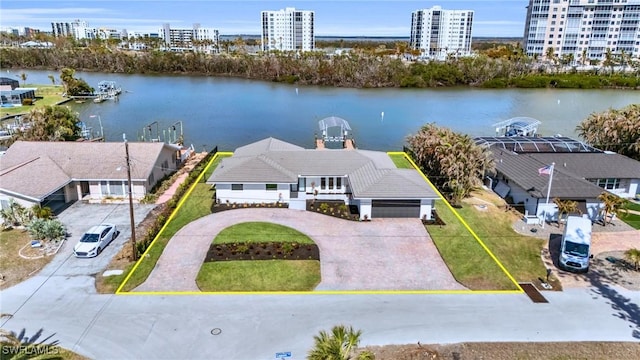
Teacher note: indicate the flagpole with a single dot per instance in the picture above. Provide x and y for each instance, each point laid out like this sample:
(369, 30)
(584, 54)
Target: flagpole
(553, 165)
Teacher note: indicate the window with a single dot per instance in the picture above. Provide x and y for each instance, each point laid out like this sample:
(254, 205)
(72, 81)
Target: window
(331, 183)
(237, 187)
(272, 187)
(112, 188)
(323, 183)
(608, 184)
(338, 183)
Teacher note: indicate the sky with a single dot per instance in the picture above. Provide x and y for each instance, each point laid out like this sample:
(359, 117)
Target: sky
(332, 17)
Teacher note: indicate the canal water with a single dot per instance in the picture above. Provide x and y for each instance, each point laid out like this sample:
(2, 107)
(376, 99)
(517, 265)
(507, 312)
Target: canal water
(230, 112)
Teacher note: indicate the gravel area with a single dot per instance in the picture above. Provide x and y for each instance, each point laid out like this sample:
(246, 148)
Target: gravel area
(508, 351)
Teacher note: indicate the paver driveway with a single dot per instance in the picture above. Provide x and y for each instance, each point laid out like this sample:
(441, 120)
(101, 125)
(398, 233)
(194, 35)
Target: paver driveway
(383, 254)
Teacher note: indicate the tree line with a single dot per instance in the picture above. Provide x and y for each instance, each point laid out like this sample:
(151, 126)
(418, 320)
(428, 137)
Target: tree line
(360, 68)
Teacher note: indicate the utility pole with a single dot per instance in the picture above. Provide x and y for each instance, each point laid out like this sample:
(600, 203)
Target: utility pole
(134, 253)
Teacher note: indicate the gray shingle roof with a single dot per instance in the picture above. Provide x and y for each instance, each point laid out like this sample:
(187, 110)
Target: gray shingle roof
(522, 169)
(371, 173)
(268, 144)
(37, 168)
(594, 165)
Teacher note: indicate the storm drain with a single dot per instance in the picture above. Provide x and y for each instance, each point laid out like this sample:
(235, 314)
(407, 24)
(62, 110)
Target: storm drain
(533, 293)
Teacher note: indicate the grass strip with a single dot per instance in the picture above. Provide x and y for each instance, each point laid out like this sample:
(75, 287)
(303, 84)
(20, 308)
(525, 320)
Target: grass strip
(197, 204)
(259, 275)
(261, 232)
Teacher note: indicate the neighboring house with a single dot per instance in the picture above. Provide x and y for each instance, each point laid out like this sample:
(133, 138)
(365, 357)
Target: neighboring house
(8, 83)
(272, 170)
(56, 173)
(17, 96)
(581, 173)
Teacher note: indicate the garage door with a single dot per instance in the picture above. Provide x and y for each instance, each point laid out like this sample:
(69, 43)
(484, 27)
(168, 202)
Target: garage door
(395, 209)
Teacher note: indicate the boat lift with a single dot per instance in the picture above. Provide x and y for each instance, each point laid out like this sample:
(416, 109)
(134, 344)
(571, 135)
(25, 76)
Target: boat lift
(343, 136)
(517, 126)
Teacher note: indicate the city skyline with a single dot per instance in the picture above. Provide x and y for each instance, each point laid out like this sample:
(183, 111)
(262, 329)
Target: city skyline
(504, 18)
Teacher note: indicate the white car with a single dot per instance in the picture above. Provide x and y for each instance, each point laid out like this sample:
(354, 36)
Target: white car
(95, 240)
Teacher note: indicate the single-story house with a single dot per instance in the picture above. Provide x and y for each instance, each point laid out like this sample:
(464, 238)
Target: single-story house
(581, 173)
(272, 170)
(56, 173)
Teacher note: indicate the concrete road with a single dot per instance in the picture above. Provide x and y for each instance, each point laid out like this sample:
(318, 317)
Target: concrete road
(256, 327)
(79, 218)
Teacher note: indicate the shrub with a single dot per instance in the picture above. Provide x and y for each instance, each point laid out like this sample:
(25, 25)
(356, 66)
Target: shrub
(42, 212)
(46, 229)
(288, 248)
(324, 207)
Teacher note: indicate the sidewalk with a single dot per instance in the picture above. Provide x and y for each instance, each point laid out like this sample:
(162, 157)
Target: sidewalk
(183, 173)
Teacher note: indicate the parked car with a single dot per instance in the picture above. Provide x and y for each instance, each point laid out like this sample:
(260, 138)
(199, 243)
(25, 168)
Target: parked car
(95, 240)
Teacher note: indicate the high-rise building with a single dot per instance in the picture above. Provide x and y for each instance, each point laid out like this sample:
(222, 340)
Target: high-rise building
(439, 33)
(61, 29)
(582, 30)
(77, 28)
(288, 30)
(195, 39)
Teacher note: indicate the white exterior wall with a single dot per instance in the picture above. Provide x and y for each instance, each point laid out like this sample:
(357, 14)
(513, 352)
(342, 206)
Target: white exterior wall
(23, 202)
(181, 39)
(520, 196)
(70, 193)
(634, 187)
(252, 193)
(571, 27)
(282, 31)
(550, 211)
(365, 208)
(166, 163)
(453, 32)
(426, 205)
(628, 188)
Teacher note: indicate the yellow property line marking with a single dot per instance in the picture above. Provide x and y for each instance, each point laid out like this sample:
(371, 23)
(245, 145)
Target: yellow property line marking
(328, 292)
(325, 292)
(475, 236)
(173, 213)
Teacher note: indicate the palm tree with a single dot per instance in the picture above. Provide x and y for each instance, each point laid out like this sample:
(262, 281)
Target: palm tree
(583, 59)
(614, 130)
(340, 344)
(633, 256)
(565, 207)
(611, 205)
(23, 76)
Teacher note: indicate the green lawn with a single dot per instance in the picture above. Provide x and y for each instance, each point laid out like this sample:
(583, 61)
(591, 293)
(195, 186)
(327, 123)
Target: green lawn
(633, 206)
(197, 205)
(631, 219)
(256, 232)
(52, 94)
(469, 263)
(401, 161)
(259, 275)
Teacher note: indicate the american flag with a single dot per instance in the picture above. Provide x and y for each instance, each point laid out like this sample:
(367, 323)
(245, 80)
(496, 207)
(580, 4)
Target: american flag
(545, 170)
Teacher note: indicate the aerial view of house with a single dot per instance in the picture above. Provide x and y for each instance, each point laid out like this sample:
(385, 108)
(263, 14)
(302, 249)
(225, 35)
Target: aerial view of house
(581, 173)
(272, 170)
(56, 173)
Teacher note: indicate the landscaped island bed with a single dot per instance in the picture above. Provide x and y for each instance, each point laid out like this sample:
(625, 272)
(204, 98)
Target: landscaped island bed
(271, 257)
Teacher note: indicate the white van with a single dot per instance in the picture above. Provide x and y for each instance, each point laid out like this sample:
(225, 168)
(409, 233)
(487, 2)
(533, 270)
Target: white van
(575, 249)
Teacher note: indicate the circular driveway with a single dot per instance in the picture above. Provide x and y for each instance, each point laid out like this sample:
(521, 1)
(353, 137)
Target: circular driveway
(383, 254)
